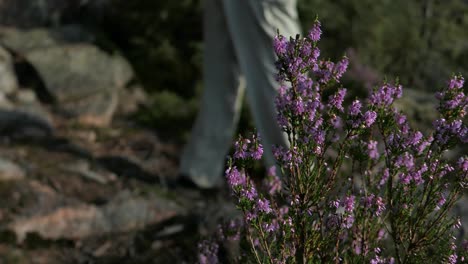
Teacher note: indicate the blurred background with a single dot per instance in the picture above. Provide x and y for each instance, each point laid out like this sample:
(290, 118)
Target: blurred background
(97, 98)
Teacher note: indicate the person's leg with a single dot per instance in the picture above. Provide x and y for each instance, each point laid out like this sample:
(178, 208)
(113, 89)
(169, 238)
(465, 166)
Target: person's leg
(204, 157)
(253, 25)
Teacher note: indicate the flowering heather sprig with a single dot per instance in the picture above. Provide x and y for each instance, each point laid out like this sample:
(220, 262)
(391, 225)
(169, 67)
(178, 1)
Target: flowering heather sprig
(315, 32)
(337, 99)
(246, 148)
(359, 184)
(385, 95)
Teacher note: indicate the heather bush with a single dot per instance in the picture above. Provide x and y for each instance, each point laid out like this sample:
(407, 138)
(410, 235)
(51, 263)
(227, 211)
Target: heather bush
(357, 184)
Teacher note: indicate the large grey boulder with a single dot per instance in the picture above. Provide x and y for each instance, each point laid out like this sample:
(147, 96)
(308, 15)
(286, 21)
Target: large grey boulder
(84, 80)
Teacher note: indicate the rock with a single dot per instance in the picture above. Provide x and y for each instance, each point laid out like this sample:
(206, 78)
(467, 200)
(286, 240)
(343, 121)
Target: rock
(9, 171)
(83, 80)
(97, 110)
(82, 169)
(5, 103)
(8, 81)
(131, 98)
(25, 97)
(72, 72)
(126, 212)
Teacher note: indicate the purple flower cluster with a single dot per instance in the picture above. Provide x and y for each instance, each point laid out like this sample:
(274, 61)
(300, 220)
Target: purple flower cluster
(373, 203)
(235, 177)
(463, 164)
(337, 100)
(372, 149)
(453, 106)
(315, 32)
(248, 148)
(385, 95)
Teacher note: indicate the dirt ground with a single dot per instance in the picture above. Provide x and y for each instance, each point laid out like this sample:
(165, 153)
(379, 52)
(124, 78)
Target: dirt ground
(100, 195)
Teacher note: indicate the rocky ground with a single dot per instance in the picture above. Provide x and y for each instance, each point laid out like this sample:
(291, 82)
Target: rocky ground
(80, 182)
(89, 195)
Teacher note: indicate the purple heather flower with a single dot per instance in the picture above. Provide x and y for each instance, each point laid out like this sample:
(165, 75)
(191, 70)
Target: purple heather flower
(257, 152)
(250, 193)
(456, 82)
(264, 205)
(348, 203)
(452, 259)
(381, 234)
(405, 160)
(298, 106)
(385, 95)
(306, 49)
(316, 53)
(367, 201)
(296, 66)
(335, 204)
(337, 99)
(441, 201)
(463, 163)
(235, 177)
(457, 101)
(424, 145)
(356, 244)
(348, 221)
(380, 206)
(241, 148)
(385, 175)
(271, 227)
(280, 44)
(400, 118)
(304, 85)
(355, 108)
(340, 68)
(372, 149)
(369, 118)
(415, 138)
(404, 178)
(315, 32)
(249, 216)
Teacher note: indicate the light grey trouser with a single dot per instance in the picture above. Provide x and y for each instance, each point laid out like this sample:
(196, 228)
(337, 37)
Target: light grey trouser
(238, 43)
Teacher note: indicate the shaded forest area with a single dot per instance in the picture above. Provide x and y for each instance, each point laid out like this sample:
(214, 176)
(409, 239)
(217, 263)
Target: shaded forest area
(97, 99)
